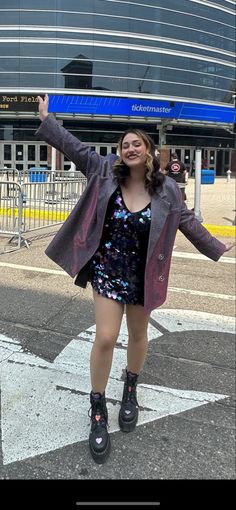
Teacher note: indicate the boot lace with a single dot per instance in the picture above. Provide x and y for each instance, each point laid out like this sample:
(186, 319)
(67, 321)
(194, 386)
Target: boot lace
(129, 395)
(97, 415)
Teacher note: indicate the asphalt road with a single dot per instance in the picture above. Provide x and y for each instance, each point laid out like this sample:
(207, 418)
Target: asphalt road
(187, 417)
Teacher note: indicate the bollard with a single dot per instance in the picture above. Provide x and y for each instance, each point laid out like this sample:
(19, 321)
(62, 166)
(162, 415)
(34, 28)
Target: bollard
(228, 175)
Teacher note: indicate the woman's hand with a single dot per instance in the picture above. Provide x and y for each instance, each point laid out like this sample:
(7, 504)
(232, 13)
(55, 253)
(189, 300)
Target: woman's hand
(229, 246)
(43, 107)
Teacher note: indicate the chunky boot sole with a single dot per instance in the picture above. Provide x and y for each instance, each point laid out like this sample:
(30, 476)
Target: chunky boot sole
(101, 457)
(127, 426)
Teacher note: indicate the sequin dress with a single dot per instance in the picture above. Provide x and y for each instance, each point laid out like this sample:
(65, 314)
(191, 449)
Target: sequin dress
(117, 267)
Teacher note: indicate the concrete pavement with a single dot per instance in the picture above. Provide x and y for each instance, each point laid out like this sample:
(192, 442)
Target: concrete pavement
(217, 205)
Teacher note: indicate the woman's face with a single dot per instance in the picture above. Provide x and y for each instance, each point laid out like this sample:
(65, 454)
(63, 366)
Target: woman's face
(133, 151)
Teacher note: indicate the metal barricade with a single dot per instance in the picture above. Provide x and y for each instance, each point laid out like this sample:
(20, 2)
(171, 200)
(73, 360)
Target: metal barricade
(33, 174)
(50, 203)
(11, 206)
(9, 174)
(38, 174)
(36, 205)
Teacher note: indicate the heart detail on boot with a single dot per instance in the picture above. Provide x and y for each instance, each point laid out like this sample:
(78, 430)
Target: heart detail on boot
(98, 440)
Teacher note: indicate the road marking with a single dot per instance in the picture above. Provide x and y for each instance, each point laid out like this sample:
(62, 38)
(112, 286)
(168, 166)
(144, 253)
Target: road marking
(175, 254)
(189, 320)
(221, 230)
(199, 256)
(180, 290)
(32, 268)
(211, 295)
(45, 405)
(35, 214)
(61, 216)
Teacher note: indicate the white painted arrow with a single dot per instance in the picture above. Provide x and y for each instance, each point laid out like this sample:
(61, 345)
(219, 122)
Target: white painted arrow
(45, 405)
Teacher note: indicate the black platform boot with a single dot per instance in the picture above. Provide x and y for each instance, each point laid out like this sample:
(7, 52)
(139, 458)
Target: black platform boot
(128, 415)
(99, 440)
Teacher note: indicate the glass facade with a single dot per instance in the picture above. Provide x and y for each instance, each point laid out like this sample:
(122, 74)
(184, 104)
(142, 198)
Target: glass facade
(155, 48)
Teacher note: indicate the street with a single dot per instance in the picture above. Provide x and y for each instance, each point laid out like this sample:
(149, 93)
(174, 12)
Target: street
(186, 423)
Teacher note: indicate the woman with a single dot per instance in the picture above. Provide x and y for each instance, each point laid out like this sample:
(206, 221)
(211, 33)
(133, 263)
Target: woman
(120, 237)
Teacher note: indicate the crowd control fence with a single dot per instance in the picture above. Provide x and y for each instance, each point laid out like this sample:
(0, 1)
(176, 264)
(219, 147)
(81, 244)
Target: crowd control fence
(30, 202)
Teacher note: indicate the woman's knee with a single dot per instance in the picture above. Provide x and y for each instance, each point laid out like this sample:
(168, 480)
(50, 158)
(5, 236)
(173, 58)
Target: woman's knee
(137, 337)
(138, 332)
(106, 340)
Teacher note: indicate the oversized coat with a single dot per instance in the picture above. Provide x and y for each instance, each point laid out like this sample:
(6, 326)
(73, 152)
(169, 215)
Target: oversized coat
(78, 238)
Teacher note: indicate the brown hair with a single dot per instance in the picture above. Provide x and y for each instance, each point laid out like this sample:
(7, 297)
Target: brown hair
(153, 178)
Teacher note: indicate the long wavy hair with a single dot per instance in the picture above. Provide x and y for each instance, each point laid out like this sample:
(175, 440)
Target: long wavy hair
(153, 177)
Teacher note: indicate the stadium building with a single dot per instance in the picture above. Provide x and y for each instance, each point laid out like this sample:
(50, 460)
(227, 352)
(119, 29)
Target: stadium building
(165, 66)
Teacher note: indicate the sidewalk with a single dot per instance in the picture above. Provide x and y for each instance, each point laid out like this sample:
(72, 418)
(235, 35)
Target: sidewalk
(217, 205)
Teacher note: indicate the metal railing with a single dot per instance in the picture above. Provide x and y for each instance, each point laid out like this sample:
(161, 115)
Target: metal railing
(11, 208)
(37, 174)
(29, 206)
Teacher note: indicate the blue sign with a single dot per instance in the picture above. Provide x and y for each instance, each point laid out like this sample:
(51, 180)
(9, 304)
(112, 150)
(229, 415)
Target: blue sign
(101, 105)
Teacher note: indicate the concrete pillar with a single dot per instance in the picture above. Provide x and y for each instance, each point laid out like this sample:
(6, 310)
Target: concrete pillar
(162, 136)
(164, 157)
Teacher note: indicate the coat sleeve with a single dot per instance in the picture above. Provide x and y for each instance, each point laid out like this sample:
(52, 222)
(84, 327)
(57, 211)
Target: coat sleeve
(199, 235)
(87, 161)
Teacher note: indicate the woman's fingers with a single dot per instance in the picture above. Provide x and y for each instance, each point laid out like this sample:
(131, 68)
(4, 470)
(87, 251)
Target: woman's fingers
(43, 106)
(229, 246)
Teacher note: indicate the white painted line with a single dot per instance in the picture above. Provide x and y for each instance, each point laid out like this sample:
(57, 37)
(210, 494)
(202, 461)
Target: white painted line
(32, 268)
(44, 405)
(177, 254)
(227, 297)
(171, 289)
(189, 320)
(199, 256)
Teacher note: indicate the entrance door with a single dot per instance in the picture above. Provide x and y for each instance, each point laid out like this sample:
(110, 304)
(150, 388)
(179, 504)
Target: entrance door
(211, 159)
(101, 149)
(223, 161)
(187, 156)
(22, 156)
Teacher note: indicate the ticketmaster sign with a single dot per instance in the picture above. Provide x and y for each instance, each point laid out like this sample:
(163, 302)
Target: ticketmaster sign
(98, 105)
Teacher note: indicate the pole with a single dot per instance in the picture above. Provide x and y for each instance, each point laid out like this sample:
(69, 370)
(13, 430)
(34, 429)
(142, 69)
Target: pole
(228, 175)
(72, 167)
(197, 189)
(53, 161)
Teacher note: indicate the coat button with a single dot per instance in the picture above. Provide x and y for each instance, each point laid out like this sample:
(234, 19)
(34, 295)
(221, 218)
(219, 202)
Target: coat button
(161, 256)
(161, 278)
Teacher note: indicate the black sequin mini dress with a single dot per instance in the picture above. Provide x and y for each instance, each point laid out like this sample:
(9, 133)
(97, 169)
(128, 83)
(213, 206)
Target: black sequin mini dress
(118, 266)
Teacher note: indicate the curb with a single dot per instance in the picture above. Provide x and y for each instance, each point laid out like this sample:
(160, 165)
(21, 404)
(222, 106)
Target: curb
(221, 230)
(36, 214)
(60, 216)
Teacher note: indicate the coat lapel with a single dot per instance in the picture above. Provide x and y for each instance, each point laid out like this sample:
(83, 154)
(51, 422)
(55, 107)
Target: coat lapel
(106, 189)
(160, 208)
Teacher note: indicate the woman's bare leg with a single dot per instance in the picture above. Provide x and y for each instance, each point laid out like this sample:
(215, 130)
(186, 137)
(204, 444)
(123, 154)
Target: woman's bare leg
(108, 314)
(137, 324)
